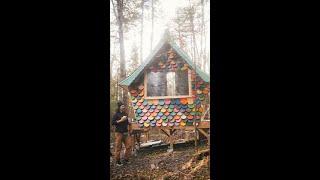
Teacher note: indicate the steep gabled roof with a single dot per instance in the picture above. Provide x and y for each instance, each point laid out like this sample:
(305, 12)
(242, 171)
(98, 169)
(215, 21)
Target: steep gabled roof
(165, 39)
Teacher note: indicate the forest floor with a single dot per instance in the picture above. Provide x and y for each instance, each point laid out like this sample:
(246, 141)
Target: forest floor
(154, 163)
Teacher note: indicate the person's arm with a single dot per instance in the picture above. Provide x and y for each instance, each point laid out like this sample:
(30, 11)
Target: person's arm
(124, 118)
(115, 119)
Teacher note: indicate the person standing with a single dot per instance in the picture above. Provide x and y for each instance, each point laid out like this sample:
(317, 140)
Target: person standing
(121, 123)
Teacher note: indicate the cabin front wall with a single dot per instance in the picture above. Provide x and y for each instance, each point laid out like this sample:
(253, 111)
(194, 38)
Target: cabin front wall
(169, 111)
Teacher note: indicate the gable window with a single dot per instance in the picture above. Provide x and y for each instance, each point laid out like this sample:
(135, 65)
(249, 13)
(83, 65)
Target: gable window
(170, 84)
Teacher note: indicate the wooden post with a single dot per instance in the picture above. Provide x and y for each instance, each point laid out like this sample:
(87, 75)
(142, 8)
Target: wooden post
(187, 135)
(145, 136)
(138, 138)
(133, 140)
(195, 140)
(171, 139)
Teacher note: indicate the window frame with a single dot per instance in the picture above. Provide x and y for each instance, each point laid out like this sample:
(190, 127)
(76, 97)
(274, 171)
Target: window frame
(166, 97)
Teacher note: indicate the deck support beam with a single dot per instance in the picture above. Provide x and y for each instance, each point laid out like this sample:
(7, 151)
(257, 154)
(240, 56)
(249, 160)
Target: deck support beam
(203, 132)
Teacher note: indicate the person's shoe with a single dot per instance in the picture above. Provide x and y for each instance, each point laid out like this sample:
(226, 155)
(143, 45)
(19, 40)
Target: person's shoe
(119, 163)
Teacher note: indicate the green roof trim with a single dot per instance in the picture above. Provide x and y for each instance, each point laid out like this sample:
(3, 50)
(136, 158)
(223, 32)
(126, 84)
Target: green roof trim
(128, 81)
(184, 55)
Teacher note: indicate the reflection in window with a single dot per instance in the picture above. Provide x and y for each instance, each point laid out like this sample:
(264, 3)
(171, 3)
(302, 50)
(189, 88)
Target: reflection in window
(167, 83)
(156, 84)
(171, 83)
(182, 86)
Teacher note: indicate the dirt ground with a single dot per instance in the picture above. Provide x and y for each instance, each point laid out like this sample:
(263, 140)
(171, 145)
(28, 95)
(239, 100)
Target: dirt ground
(158, 164)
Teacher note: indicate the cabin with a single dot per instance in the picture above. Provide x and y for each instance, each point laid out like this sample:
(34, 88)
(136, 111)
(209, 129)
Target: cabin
(168, 91)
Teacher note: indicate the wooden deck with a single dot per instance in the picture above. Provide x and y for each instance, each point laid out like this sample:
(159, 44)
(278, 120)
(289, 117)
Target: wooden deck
(202, 125)
(168, 131)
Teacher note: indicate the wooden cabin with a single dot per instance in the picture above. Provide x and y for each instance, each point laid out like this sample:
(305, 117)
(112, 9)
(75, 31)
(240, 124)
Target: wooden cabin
(168, 90)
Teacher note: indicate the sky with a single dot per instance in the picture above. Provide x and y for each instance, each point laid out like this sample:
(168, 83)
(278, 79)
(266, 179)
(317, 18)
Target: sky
(168, 12)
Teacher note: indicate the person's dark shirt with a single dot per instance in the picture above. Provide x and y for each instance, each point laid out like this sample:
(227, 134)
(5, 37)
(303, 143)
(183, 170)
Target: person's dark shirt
(122, 126)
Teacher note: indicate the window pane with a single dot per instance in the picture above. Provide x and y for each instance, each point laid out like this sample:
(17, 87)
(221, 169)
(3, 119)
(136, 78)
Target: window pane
(167, 83)
(171, 84)
(156, 84)
(182, 85)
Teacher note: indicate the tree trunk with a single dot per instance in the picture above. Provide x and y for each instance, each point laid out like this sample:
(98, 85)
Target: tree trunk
(151, 25)
(197, 52)
(192, 50)
(205, 57)
(117, 85)
(122, 50)
(202, 34)
(193, 36)
(141, 32)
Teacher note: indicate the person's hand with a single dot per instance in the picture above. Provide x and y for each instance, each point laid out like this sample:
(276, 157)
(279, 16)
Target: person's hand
(122, 119)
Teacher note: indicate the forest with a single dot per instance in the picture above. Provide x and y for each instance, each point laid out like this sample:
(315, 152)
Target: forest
(136, 26)
(159, 68)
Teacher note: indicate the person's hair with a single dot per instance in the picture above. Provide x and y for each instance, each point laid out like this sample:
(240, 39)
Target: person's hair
(120, 103)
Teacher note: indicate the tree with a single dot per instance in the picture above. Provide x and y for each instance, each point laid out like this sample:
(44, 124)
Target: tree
(203, 45)
(120, 21)
(202, 50)
(126, 14)
(134, 59)
(152, 16)
(189, 27)
(141, 31)
(185, 27)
